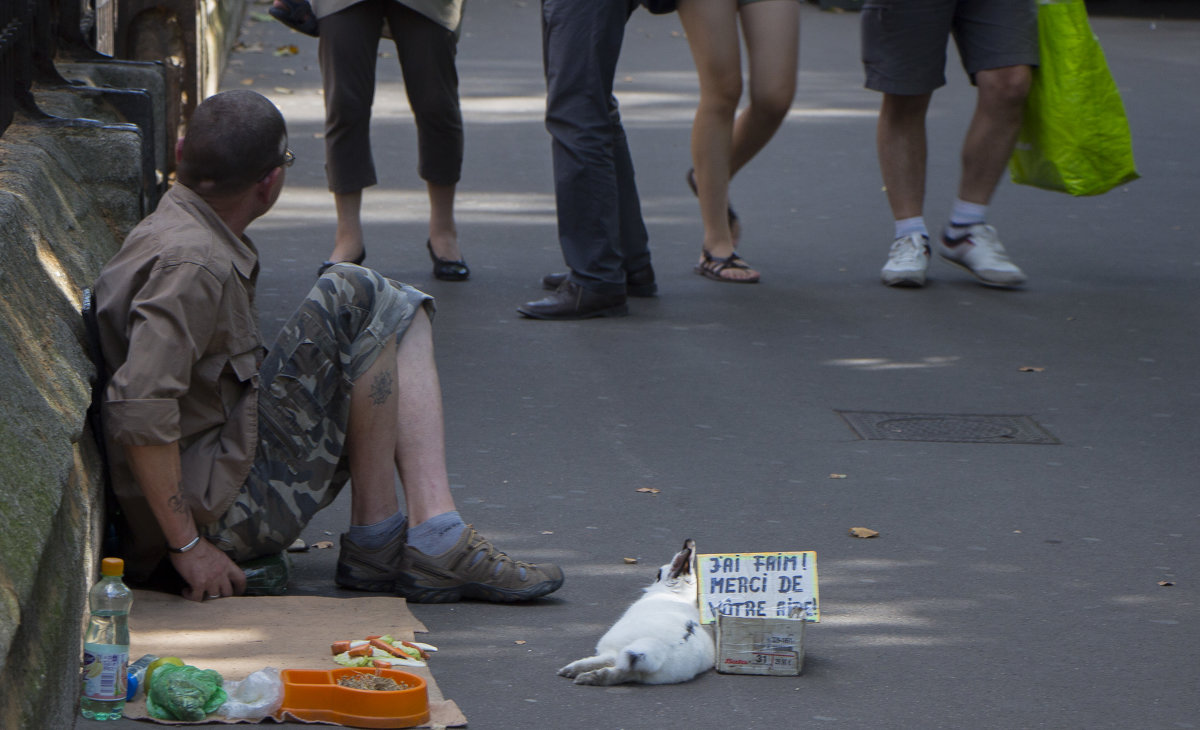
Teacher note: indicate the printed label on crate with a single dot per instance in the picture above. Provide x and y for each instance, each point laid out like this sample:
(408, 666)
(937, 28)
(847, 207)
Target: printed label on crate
(758, 585)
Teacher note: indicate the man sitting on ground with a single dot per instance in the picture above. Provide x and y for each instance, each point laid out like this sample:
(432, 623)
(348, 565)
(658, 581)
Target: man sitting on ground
(222, 450)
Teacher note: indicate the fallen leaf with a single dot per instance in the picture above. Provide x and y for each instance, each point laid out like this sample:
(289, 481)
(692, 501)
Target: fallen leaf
(261, 17)
(631, 561)
(322, 545)
(649, 490)
(837, 476)
(627, 79)
(519, 641)
(863, 532)
(282, 90)
(1165, 583)
(547, 532)
(1029, 369)
(288, 72)
(247, 82)
(286, 51)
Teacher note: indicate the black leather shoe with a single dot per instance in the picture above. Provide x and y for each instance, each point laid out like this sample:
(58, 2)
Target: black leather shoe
(571, 301)
(638, 283)
(446, 269)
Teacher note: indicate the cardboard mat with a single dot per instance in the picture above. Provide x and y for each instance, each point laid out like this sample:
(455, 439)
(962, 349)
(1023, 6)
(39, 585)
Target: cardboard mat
(238, 636)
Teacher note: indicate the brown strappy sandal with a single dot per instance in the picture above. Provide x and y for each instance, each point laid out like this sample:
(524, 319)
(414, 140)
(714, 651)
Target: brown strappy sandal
(712, 266)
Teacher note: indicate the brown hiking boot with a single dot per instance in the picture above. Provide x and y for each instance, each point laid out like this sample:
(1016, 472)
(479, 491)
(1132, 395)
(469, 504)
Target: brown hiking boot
(473, 569)
(371, 570)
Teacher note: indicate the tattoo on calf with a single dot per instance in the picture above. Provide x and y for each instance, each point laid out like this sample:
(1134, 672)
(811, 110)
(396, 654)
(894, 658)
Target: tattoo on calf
(381, 389)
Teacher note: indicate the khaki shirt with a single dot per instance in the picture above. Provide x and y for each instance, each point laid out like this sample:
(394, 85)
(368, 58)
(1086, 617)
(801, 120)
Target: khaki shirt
(446, 13)
(179, 333)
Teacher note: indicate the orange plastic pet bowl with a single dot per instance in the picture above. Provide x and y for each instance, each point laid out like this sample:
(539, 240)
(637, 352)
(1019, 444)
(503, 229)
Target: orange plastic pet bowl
(315, 695)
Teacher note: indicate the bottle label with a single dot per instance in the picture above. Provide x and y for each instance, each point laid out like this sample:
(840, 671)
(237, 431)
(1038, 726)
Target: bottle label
(105, 669)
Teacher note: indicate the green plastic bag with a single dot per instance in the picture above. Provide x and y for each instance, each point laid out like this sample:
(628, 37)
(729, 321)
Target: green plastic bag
(184, 693)
(1075, 136)
(268, 575)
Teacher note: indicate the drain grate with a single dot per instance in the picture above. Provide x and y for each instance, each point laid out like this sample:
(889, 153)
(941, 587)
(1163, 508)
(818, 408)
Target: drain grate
(966, 429)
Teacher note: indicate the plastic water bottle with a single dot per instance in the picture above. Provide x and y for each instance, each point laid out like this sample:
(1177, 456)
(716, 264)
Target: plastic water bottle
(106, 644)
(137, 676)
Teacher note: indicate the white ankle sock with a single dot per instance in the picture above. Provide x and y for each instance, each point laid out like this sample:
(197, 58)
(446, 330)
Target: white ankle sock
(379, 534)
(964, 215)
(908, 226)
(437, 534)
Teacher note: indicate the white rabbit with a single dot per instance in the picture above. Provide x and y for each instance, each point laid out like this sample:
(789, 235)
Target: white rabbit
(658, 640)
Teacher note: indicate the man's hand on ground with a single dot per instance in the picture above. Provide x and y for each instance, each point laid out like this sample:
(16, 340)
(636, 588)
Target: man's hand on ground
(208, 572)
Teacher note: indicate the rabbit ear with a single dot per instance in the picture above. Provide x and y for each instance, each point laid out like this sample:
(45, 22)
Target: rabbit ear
(683, 559)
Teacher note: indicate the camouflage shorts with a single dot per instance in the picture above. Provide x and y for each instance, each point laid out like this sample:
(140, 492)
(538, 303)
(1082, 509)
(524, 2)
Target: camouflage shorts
(304, 406)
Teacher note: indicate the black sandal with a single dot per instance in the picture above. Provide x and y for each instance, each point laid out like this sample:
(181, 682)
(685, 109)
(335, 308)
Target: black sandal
(734, 221)
(446, 269)
(326, 264)
(712, 266)
(297, 15)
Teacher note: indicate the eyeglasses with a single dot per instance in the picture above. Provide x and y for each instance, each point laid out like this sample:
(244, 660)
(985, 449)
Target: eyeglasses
(289, 159)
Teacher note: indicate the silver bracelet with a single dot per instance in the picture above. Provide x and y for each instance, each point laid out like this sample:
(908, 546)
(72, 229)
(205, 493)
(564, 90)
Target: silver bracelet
(195, 541)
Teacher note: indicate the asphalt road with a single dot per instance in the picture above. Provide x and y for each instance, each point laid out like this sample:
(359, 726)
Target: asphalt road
(1011, 585)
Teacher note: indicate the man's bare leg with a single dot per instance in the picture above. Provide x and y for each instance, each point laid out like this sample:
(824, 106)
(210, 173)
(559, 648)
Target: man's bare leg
(447, 560)
(370, 436)
(993, 132)
(419, 441)
(900, 141)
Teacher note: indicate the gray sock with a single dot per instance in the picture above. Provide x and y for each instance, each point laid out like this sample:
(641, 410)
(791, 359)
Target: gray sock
(437, 534)
(372, 537)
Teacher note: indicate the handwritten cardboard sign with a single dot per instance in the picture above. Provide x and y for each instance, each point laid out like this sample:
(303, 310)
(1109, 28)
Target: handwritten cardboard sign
(762, 585)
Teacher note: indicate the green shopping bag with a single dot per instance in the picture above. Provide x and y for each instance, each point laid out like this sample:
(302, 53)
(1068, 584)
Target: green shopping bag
(1075, 137)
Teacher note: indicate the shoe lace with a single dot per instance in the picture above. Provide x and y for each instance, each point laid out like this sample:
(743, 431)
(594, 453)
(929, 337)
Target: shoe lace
(481, 549)
(908, 250)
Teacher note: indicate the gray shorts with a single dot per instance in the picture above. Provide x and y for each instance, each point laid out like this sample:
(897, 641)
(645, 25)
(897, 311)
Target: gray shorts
(300, 465)
(904, 41)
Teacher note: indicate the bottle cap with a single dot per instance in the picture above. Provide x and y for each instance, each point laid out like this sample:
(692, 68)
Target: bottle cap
(112, 566)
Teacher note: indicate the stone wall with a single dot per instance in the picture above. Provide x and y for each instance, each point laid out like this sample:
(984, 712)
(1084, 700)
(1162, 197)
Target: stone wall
(66, 193)
(72, 184)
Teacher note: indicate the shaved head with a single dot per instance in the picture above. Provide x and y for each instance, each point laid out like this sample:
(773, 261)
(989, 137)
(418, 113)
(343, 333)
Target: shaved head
(233, 140)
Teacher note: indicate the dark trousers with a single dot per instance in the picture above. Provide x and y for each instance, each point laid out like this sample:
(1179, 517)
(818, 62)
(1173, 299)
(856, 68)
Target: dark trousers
(600, 224)
(348, 49)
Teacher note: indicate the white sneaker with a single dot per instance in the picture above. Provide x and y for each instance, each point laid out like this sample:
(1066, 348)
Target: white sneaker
(981, 254)
(907, 260)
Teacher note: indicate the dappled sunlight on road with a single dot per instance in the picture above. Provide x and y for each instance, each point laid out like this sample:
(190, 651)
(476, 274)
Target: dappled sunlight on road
(883, 363)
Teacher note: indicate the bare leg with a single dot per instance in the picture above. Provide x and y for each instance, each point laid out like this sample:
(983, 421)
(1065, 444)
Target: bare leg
(369, 439)
(348, 241)
(420, 446)
(711, 28)
(900, 139)
(772, 33)
(443, 234)
(993, 132)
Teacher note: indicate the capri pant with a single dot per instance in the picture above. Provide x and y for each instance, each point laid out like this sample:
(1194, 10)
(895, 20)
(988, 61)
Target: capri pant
(348, 51)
